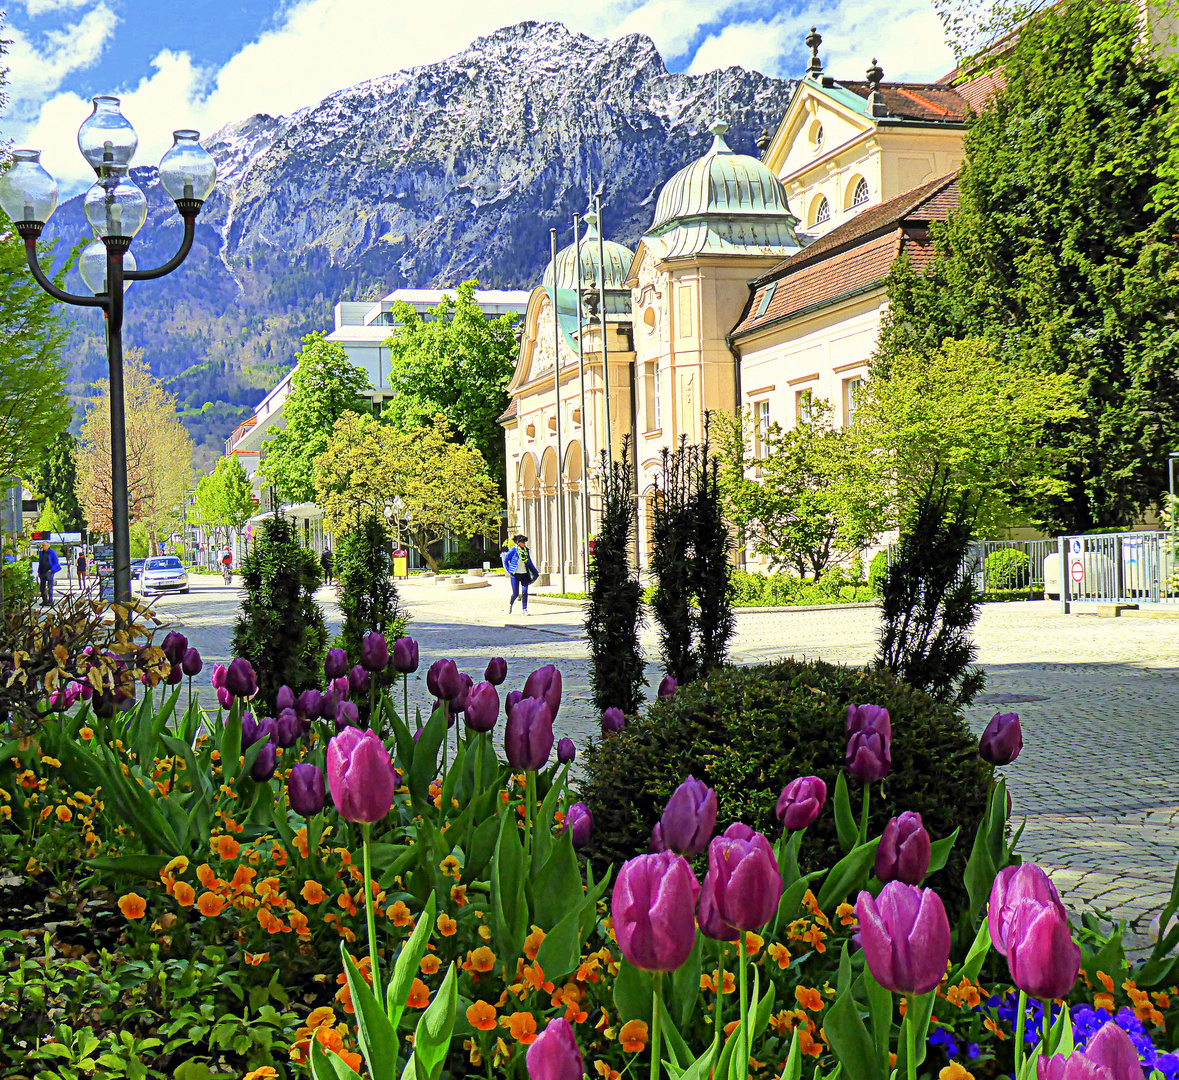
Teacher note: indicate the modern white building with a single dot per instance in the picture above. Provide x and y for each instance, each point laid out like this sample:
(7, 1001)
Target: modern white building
(362, 328)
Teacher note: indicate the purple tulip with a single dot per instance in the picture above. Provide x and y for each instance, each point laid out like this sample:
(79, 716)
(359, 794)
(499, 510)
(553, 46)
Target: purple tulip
(496, 671)
(308, 704)
(579, 823)
(545, 683)
(255, 730)
(347, 715)
(1013, 885)
(175, 646)
(284, 699)
(869, 756)
(263, 767)
(688, 819)
(711, 924)
(458, 703)
(869, 718)
(553, 1054)
(667, 687)
(305, 790)
(341, 686)
(528, 735)
(175, 675)
(613, 721)
(566, 751)
(654, 909)
(801, 802)
(746, 881)
(903, 852)
(288, 728)
(357, 680)
(219, 673)
(1112, 1049)
(240, 679)
(360, 775)
(191, 664)
(405, 655)
(335, 664)
(1043, 958)
(442, 680)
(482, 709)
(1077, 1066)
(1002, 740)
(374, 652)
(224, 697)
(905, 936)
(513, 697)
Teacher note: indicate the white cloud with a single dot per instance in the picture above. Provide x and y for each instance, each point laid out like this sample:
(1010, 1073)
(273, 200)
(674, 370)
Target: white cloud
(43, 7)
(324, 45)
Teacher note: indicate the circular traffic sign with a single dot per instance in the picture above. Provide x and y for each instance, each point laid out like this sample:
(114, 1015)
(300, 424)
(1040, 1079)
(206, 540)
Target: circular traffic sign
(1077, 570)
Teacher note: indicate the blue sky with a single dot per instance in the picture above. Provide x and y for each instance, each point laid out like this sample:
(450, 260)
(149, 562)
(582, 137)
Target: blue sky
(204, 63)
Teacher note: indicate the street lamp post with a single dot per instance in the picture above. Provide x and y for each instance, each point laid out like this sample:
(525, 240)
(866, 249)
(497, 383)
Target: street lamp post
(116, 209)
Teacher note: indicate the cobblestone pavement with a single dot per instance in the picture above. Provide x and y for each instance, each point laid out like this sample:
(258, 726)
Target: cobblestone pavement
(1098, 780)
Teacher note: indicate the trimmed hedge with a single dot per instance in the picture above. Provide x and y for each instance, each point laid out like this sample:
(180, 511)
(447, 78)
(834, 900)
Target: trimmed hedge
(748, 731)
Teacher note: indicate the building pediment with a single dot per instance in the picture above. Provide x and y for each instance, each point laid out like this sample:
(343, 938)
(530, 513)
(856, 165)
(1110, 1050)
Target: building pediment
(819, 121)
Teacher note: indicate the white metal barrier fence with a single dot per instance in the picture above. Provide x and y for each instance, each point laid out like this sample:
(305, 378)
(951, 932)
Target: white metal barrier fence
(1115, 568)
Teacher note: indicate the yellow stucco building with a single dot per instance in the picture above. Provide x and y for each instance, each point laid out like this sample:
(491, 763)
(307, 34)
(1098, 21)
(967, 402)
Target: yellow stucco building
(759, 280)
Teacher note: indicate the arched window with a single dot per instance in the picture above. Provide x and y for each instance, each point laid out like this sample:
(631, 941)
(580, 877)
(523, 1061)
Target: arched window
(817, 137)
(822, 211)
(860, 195)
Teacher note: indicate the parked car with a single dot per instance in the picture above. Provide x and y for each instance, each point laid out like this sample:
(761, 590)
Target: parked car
(163, 573)
(137, 568)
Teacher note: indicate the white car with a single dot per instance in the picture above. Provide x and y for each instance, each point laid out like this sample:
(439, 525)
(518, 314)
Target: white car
(161, 574)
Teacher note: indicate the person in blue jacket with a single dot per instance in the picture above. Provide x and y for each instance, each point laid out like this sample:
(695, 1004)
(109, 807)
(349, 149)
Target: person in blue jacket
(520, 568)
(48, 564)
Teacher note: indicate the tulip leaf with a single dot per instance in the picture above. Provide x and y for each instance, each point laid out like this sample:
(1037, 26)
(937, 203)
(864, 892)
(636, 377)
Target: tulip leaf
(406, 968)
(792, 1070)
(482, 848)
(509, 905)
(939, 851)
(702, 1067)
(973, 963)
(402, 736)
(789, 866)
(848, 875)
(853, 1047)
(879, 1011)
(231, 746)
(980, 870)
(431, 1041)
(560, 952)
(140, 866)
(792, 898)
(1060, 1035)
(425, 757)
(634, 992)
(672, 1039)
(997, 823)
(377, 1036)
(450, 777)
(765, 1006)
(685, 985)
(732, 1063)
(326, 1065)
(918, 1010)
(542, 827)
(846, 826)
(557, 887)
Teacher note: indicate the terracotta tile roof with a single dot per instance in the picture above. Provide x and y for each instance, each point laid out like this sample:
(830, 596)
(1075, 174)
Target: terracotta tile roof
(977, 90)
(851, 258)
(510, 412)
(916, 101)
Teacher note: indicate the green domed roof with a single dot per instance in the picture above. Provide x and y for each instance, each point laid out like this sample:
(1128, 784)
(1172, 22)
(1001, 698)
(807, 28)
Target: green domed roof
(721, 182)
(618, 260)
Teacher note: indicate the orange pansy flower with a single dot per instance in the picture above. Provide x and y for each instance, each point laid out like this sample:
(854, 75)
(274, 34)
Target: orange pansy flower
(446, 925)
(132, 905)
(481, 1016)
(522, 1025)
(633, 1036)
(184, 893)
(419, 995)
(430, 965)
(210, 905)
(313, 892)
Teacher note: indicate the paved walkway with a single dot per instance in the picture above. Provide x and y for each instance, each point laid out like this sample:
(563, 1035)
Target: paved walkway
(1098, 780)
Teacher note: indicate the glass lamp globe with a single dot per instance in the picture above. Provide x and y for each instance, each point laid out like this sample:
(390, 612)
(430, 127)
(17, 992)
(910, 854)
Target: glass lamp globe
(115, 206)
(27, 191)
(92, 266)
(187, 170)
(106, 137)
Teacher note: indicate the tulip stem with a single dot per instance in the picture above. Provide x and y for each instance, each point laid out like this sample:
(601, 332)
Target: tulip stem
(657, 1025)
(372, 704)
(910, 1032)
(1047, 1026)
(720, 988)
(1020, 1017)
(529, 812)
(864, 815)
(405, 698)
(369, 902)
(746, 1047)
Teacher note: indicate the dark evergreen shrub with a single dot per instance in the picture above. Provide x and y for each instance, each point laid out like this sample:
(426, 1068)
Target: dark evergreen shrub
(876, 572)
(614, 608)
(364, 587)
(281, 629)
(748, 731)
(929, 602)
(712, 586)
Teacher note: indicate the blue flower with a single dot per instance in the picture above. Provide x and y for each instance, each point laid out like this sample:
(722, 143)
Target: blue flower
(942, 1037)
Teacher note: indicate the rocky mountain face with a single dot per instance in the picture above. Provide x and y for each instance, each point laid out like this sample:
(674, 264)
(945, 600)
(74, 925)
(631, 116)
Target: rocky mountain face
(423, 178)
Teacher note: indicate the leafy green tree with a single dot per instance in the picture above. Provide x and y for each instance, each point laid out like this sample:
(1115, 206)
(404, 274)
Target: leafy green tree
(810, 499)
(49, 520)
(325, 386)
(57, 480)
(224, 498)
(455, 362)
(987, 423)
(430, 485)
(1063, 253)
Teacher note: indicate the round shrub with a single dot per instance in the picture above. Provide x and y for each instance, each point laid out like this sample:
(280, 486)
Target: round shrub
(748, 731)
(876, 571)
(1007, 568)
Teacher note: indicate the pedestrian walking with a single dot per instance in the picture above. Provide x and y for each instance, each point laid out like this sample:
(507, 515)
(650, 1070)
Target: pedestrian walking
(80, 566)
(328, 562)
(48, 564)
(522, 571)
